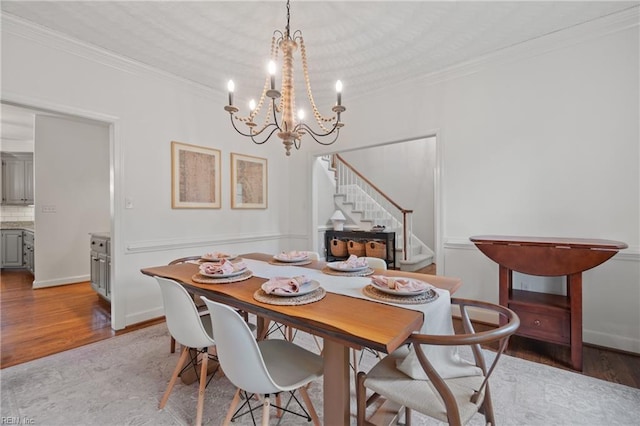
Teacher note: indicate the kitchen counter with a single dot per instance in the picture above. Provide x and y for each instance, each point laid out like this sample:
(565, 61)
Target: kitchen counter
(27, 226)
(105, 235)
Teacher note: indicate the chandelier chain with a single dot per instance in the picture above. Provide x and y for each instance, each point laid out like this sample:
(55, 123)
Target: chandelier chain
(319, 117)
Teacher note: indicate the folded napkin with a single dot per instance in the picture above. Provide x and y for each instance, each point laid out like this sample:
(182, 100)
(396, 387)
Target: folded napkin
(354, 262)
(284, 285)
(223, 267)
(293, 255)
(216, 255)
(400, 284)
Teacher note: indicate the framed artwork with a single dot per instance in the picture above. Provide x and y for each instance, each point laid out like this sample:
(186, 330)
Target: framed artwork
(195, 177)
(248, 182)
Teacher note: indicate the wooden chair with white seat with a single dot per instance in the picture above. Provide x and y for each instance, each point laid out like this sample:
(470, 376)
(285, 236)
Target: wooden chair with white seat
(453, 400)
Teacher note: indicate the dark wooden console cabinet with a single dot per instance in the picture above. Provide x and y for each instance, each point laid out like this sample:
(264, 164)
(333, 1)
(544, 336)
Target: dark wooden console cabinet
(548, 317)
(389, 238)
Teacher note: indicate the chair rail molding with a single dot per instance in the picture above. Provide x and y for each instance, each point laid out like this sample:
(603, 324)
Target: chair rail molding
(134, 247)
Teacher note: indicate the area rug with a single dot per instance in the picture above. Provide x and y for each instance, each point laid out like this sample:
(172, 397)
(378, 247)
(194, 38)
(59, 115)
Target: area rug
(120, 381)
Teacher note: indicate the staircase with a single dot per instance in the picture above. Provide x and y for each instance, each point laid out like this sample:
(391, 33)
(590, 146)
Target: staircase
(366, 206)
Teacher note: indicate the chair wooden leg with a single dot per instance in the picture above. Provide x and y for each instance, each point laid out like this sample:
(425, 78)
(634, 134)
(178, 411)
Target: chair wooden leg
(361, 399)
(265, 411)
(174, 376)
(407, 416)
(173, 345)
(279, 411)
(232, 408)
(309, 404)
(203, 383)
(487, 407)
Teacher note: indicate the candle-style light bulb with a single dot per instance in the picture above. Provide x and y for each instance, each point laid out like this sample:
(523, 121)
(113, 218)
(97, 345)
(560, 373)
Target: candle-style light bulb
(231, 87)
(339, 91)
(272, 73)
(252, 105)
(300, 115)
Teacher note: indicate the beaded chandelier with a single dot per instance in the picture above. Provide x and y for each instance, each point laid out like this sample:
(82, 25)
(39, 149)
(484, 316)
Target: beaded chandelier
(279, 115)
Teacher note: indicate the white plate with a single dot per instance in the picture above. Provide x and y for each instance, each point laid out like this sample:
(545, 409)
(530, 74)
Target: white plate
(230, 274)
(280, 258)
(339, 266)
(304, 289)
(399, 293)
(218, 259)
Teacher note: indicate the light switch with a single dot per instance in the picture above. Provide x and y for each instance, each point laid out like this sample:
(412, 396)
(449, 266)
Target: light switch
(128, 203)
(48, 209)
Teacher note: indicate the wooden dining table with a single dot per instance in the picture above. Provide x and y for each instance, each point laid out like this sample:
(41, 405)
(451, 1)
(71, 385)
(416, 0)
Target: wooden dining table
(343, 322)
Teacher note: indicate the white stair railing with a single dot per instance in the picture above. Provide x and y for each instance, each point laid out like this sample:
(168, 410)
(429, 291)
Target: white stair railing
(372, 201)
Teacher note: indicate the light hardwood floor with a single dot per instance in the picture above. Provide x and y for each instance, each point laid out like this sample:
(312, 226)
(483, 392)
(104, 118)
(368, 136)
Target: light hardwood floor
(41, 322)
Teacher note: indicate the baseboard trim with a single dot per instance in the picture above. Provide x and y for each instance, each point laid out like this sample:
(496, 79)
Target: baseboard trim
(61, 281)
(141, 317)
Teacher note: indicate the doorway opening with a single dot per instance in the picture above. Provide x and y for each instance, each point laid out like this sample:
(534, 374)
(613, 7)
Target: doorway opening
(408, 170)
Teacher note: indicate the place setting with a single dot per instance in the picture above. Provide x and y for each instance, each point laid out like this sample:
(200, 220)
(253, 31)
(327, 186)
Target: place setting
(222, 272)
(218, 256)
(297, 290)
(354, 266)
(291, 258)
(401, 290)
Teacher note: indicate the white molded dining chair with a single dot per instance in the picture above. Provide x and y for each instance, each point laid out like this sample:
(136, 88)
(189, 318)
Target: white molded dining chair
(454, 400)
(199, 304)
(376, 263)
(192, 330)
(266, 367)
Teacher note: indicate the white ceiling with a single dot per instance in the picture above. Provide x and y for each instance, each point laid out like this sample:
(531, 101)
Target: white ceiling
(365, 44)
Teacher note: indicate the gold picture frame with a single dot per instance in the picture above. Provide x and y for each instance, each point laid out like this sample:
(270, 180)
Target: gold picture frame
(195, 177)
(248, 182)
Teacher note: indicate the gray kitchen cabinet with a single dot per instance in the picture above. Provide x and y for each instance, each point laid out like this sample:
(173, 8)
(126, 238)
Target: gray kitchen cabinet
(28, 243)
(17, 178)
(12, 248)
(100, 258)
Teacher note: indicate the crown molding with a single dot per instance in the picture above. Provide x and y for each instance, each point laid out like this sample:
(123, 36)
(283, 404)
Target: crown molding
(596, 28)
(600, 27)
(12, 24)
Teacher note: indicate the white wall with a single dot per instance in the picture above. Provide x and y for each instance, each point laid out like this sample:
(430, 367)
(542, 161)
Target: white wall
(149, 109)
(71, 162)
(541, 140)
(405, 172)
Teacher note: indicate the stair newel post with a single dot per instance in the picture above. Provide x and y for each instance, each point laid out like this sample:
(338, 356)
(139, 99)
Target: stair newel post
(404, 235)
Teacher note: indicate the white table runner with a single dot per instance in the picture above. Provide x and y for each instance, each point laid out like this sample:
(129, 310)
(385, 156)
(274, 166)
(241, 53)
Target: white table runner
(437, 316)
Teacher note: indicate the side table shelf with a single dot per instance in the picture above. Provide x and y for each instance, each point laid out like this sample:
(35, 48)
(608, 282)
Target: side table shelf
(389, 238)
